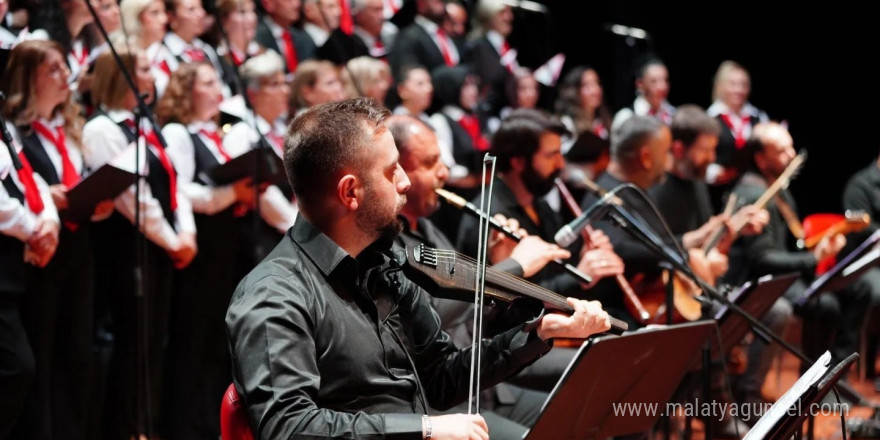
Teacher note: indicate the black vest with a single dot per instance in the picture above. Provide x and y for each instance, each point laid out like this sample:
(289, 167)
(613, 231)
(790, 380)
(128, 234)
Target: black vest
(12, 265)
(158, 179)
(218, 232)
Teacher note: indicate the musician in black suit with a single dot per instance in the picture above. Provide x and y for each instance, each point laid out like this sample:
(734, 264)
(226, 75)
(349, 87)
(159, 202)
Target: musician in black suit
(424, 42)
(275, 31)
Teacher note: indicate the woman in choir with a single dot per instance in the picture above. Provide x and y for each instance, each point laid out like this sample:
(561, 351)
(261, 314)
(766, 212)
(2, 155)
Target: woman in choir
(263, 76)
(135, 281)
(143, 26)
(57, 306)
(315, 82)
(198, 367)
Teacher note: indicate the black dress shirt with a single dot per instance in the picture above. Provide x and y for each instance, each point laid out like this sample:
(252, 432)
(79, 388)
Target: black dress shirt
(504, 202)
(773, 251)
(684, 203)
(328, 345)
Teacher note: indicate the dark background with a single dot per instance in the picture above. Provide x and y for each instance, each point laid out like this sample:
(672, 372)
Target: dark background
(808, 67)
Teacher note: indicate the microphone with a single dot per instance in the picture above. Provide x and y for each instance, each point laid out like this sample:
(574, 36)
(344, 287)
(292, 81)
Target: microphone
(570, 232)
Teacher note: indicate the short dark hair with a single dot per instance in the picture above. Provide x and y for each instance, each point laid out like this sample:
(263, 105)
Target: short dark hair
(400, 127)
(690, 121)
(326, 139)
(632, 135)
(520, 135)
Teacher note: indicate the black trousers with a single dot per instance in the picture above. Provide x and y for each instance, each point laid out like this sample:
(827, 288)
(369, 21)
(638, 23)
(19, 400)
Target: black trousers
(199, 368)
(16, 363)
(136, 328)
(57, 316)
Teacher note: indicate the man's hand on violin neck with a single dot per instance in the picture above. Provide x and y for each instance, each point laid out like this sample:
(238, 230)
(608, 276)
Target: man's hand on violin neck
(588, 319)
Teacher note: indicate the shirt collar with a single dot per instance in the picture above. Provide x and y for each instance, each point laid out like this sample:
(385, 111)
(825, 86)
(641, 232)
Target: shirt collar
(319, 36)
(369, 40)
(323, 251)
(275, 28)
(175, 44)
(119, 115)
(429, 26)
(495, 39)
(197, 126)
(720, 108)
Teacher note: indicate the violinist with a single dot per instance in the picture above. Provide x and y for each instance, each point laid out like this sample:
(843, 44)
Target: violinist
(513, 408)
(830, 321)
(328, 337)
(528, 145)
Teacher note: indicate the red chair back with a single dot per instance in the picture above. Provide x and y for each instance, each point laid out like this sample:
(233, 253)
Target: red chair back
(233, 417)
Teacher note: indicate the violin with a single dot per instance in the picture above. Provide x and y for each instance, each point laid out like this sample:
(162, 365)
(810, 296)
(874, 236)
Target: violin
(630, 299)
(449, 274)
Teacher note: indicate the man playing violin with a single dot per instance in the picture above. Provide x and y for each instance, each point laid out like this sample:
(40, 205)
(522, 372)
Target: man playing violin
(830, 321)
(328, 337)
(514, 409)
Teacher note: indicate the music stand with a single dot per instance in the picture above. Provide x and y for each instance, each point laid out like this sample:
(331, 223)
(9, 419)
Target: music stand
(847, 270)
(641, 368)
(788, 414)
(755, 298)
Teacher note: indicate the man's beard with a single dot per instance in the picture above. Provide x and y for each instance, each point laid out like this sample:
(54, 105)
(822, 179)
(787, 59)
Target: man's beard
(537, 185)
(379, 220)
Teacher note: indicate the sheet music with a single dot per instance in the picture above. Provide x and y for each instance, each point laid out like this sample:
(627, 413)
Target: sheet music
(783, 406)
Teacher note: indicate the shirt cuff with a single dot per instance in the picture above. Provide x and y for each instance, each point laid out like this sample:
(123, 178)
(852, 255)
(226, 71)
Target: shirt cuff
(403, 426)
(526, 345)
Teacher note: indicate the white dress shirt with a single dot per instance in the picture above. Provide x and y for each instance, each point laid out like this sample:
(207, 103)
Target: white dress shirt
(275, 209)
(104, 142)
(16, 219)
(205, 199)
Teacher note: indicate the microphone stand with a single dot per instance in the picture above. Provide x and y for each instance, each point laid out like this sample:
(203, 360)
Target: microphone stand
(637, 229)
(141, 111)
(7, 137)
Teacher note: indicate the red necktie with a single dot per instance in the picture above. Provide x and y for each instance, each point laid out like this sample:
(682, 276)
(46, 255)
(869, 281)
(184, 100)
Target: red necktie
(345, 21)
(83, 56)
(471, 125)
(508, 64)
(195, 54)
(277, 143)
(218, 142)
(289, 51)
(31, 192)
(153, 140)
(237, 57)
(69, 176)
(444, 48)
(739, 133)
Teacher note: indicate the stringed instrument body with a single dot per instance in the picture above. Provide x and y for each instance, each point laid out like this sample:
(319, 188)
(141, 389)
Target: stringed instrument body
(819, 226)
(686, 307)
(449, 274)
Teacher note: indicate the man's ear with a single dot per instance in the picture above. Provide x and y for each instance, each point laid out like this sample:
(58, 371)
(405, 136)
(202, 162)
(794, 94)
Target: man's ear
(646, 159)
(518, 164)
(349, 192)
(760, 160)
(678, 149)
